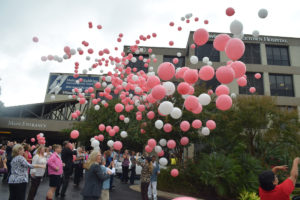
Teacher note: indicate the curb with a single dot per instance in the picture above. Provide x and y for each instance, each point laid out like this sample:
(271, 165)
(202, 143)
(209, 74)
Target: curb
(166, 195)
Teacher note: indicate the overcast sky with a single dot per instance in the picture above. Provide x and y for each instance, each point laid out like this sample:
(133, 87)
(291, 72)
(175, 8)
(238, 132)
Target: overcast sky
(58, 23)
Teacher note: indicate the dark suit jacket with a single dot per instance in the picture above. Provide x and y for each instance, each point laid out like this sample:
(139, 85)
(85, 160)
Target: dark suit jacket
(94, 178)
(67, 158)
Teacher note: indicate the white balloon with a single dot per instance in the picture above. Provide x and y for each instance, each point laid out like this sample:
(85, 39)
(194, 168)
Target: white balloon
(165, 107)
(77, 81)
(178, 54)
(137, 51)
(151, 74)
(153, 56)
(182, 18)
(52, 97)
(177, 69)
(194, 60)
(110, 143)
(73, 51)
(158, 149)
(163, 142)
(209, 63)
(97, 107)
(159, 124)
(65, 56)
(123, 134)
(133, 59)
(84, 71)
(124, 84)
(137, 89)
(185, 96)
(233, 95)
(126, 120)
(95, 143)
(170, 87)
(42, 134)
(205, 131)
(135, 78)
(101, 71)
(176, 113)
(60, 60)
(150, 69)
(70, 97)
(108, 79)
(236, 27)
(145, 60)
(240, 36)
(205, 59)
(163, 161)
(88, 58)
(104, 84)
(82, 118)
(255, 33)
(263, 13)
(204, 99)
(103, 102)
(92, 139)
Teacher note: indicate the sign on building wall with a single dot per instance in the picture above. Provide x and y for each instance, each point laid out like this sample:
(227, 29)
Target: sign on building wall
(63, 84)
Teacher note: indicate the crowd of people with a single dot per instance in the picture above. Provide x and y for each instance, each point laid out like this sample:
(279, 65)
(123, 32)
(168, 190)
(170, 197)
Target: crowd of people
(22, 164)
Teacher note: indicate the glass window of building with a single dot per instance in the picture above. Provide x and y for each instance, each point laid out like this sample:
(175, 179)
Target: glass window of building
(253, 82)
(181, 60)
(139, 64)
(209, 51)
(211, 84)
(281, 85)
(278, 55)
(251, 54)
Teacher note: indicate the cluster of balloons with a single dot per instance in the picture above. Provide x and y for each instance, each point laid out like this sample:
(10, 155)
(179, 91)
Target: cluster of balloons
(140, 90)
(40, 138)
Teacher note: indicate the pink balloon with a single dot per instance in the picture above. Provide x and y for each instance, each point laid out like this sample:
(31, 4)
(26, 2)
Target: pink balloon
(118, 145)
(167, 128)
(74, 115)
(161, 154)
(97, 85)
(100, 137)
(122, 117)
(211, 124)
(257, 75)
(191, 103)
(235, 48)
(174, 172)
(101, 127)
(210, 92)
(230, 11)
(152, 143)
(222, 89)
(242, 81)
(252, 90)
(185, 126)
(74, 134)
(158, 92)
(141, 108)
(152, 81)
(206, 73)
(239, 68)
(150, 99)
(148, 149)
(183, 88)
(82, 101)
(220, 42)
(184, 141)
(171, 144)
(190, 76)
(119, 108)
(33, 147)
(90, 89)
(108, 128)
(116, 128)
(196, 124)
(166, 71)
(32, 140)
(225, 75)
(112, 132)
(181, 72)
(198, 110)
(200, 36)
(192, 90)
(224, 102)
(35, 39)
(150, 115)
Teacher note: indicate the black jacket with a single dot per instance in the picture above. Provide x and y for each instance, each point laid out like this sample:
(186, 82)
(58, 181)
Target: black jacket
(94, 178)
(67, 158)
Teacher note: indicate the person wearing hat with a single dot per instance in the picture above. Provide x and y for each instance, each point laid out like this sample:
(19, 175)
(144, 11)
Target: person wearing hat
(146, 173)
(269, 187)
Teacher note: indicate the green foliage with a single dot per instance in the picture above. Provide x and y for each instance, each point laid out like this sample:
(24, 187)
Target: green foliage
(248, 196)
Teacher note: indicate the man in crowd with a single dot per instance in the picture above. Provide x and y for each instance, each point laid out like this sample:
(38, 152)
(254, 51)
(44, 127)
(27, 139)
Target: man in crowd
(152, 189)
(270, 189)
(67, 159)
(8, 154)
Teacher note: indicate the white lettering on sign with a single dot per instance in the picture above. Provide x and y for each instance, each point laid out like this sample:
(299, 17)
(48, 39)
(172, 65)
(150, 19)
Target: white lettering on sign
(258, 39)
(27, 124)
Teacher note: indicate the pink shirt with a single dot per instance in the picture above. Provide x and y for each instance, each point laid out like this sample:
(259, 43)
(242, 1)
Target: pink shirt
(54, 162)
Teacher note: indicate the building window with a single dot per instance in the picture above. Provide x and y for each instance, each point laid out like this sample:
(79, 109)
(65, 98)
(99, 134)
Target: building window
(278, 55)
(181, 60)
(281, 85)
(251, 54)
(211, 84)
(253, 82)
(209, 51)
(139, 64)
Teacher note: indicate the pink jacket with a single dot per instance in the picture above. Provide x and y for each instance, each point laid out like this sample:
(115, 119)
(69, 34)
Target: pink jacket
(54, 162)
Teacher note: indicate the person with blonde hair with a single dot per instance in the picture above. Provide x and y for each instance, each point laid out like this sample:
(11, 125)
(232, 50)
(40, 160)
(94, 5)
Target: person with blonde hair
(94, 177)
(55, 170)
(18, 178)
(37, 174)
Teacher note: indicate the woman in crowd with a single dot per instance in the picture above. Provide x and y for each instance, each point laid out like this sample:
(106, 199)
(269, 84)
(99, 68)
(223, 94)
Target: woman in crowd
(27, 153)
(55, 170)
(125, 166)
(147, 168)
(106, 183)
(37, 174)
(78, 165)
(94, 177)
(3, 166)
(18, 178)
